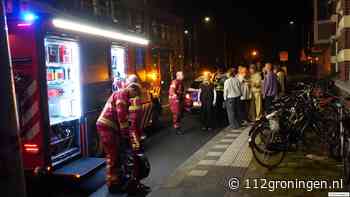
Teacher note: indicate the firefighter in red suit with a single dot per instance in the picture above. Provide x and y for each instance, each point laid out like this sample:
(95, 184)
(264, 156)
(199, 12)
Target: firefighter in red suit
(119, 126)
(176, 92)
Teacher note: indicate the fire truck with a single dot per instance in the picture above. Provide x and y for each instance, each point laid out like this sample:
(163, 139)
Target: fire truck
(64, 68)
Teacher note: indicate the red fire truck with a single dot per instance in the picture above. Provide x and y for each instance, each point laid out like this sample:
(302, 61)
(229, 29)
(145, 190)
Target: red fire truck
(64, 68)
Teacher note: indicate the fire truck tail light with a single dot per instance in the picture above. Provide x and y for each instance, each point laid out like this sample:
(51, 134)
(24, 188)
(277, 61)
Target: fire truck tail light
(24, 24)
(31, 148)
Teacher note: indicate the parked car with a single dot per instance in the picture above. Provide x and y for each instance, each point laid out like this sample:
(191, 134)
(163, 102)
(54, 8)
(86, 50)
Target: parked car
(192, 101)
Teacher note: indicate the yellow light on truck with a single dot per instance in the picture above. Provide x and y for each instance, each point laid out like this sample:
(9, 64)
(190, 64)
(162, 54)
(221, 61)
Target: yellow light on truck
(206, 73)
(88, 29)
(153, 75)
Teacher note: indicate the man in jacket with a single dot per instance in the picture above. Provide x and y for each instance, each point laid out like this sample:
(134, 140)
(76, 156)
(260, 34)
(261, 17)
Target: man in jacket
(176, 92)
(220, 113)
(270, 90)
(119, 126)
(246, 94)
(207, 96)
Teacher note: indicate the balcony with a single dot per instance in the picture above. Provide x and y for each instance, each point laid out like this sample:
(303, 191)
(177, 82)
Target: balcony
(323, 31)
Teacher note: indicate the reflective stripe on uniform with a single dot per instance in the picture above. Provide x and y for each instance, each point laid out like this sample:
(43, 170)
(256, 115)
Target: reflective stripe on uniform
(134, 107)
(108, 122)
(124, 125)
(121, 102)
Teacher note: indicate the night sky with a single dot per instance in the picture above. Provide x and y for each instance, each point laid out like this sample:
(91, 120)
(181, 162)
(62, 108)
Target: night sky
(260, 24)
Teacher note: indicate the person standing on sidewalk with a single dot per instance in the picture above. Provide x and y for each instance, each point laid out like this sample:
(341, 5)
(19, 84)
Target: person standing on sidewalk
(232, 95)
(207, 96)
(281, 77)
(246, 94)
(220, 113)
(270, 90)
(118, 128)
(256, 102)
(176, 92)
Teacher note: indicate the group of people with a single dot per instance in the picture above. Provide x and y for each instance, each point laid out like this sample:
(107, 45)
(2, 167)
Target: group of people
(244, 93)
(240, 93)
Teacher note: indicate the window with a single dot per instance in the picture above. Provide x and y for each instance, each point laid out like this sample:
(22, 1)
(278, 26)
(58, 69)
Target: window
(139, 22)
(324, 10)
(140, 58)
(155, 29)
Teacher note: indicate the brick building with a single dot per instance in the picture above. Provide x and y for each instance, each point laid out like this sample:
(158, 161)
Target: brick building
(332, 38)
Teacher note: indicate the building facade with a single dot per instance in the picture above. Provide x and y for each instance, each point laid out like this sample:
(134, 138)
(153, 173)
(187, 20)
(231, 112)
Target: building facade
(332, 37)
(149, 18)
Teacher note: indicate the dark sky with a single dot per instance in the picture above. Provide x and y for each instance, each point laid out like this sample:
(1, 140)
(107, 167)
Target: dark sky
(262, 24)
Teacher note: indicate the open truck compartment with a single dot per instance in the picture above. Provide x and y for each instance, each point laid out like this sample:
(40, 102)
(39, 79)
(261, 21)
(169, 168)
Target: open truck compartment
(64, 97)
(63, 79)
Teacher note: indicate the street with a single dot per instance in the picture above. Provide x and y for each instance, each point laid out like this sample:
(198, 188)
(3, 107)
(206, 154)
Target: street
(222, 98)
(203, 164)
(165, 150)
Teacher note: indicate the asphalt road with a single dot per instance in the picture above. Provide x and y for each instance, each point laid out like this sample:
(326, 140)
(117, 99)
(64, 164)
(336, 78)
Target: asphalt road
(165, 150)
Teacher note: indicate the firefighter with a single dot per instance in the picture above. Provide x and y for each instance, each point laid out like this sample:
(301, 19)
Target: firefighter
(176, 92)
(118, 127)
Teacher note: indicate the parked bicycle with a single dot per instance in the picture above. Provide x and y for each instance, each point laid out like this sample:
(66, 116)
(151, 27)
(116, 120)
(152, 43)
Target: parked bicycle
(294, 123)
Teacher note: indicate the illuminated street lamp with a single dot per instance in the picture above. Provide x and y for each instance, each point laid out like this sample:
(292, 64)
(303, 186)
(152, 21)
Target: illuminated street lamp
(291, 22)
(254, 53)
(186, 31)
(207, 19)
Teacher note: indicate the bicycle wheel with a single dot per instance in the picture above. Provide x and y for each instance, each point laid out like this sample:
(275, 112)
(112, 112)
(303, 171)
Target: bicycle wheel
(260, 141)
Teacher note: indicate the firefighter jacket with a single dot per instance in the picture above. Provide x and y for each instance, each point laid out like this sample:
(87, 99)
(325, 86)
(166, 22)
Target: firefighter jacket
(121, 115)
(176, 90)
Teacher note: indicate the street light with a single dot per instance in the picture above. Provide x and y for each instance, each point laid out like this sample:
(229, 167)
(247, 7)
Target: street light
(186, 31)
(291, 22)
(254, 53)
(207, 19)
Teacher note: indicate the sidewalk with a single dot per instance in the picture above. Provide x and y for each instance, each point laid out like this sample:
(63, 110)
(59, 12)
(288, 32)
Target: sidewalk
(206, 173)
(227, 155)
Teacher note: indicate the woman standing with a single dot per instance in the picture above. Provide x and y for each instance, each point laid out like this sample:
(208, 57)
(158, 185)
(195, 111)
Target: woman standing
(207, 97)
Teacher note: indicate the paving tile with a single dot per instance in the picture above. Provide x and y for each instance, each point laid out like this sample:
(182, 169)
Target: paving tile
(227, 140)
(214, 154)
(233, 150)
(198, 173)
(207, 162)
(220, 146)
(231, 135)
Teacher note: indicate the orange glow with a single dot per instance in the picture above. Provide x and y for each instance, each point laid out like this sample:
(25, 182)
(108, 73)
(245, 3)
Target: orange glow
(153, 75)
(254, 53)
(31, 148)
(206, 73)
